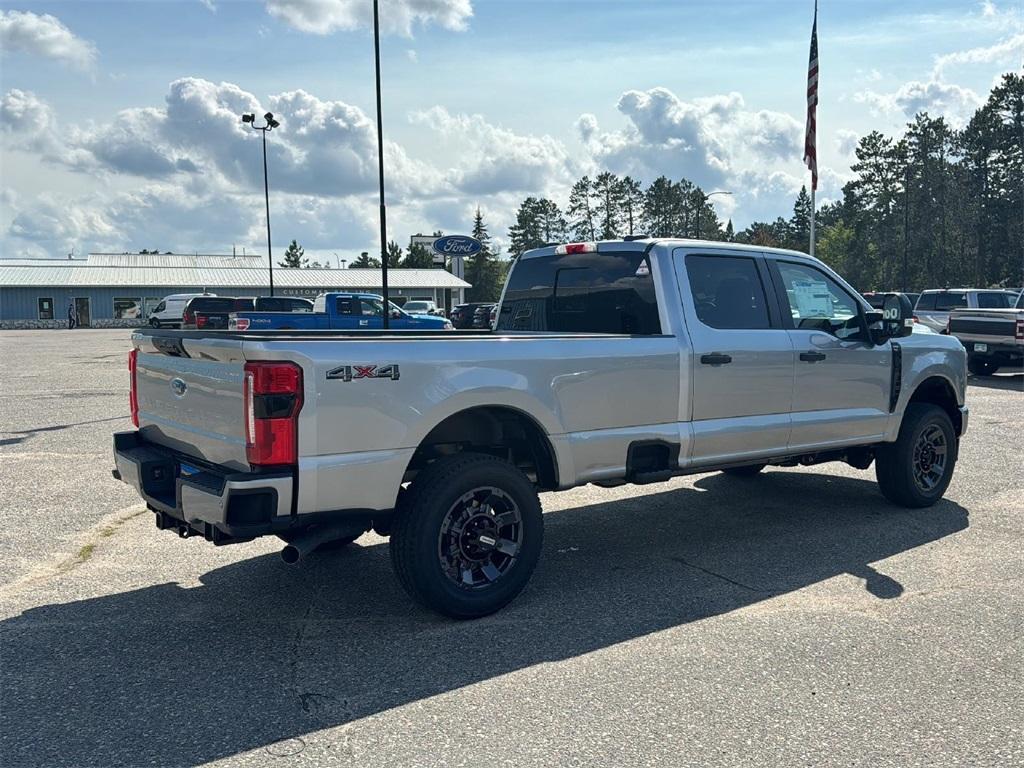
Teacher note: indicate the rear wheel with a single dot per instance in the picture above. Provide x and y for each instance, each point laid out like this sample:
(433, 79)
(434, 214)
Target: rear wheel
(980, 367)
(916, 470)
(751, 470)
(467, 535)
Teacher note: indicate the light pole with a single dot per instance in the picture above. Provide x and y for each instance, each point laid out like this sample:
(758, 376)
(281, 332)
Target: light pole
(704, 199)
(270, 125)
(380, 168)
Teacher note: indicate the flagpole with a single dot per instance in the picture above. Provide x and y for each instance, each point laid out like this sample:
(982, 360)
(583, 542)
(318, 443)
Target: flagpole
(380, 167)
(813, 217)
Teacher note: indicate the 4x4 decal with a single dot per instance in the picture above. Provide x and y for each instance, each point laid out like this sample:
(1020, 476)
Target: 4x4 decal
(349, 372)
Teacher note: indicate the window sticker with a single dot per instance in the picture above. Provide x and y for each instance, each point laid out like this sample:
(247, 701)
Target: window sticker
(813, 298)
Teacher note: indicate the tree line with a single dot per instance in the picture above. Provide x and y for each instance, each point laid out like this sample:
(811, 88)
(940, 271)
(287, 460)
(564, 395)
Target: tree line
(934, 207)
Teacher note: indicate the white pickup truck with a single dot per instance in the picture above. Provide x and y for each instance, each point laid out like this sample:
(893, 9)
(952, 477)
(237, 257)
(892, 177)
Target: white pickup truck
(615, 362)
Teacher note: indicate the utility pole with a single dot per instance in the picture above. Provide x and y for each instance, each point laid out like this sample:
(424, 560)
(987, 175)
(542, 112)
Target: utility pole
(380, 164)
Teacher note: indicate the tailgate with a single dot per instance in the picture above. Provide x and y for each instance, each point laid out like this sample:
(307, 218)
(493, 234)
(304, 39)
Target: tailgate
(995, 326)
(190, 397)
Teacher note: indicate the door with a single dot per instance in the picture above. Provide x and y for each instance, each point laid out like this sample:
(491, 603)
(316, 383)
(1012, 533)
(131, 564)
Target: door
(842, 381)
(360, 312)
(82, 311)
(742, 358)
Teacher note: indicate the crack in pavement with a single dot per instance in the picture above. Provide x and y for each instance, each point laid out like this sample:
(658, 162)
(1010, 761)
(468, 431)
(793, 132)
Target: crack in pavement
(722, 577)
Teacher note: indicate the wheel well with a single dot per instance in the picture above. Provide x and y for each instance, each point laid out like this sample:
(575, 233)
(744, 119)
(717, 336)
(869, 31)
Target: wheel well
(503, 432)
(938, 391)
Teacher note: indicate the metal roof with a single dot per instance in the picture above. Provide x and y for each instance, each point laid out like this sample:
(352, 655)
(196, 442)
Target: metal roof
(174, 260)
(64, 273)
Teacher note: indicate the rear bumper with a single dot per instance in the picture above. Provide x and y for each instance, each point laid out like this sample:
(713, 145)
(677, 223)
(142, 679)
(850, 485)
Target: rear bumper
(997, 351)
(222, 506)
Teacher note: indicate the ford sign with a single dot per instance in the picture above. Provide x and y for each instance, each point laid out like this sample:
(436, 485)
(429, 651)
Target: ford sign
(456, 245)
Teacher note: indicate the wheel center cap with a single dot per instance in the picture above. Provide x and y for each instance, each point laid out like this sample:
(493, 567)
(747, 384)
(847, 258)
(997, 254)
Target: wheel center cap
(479, 537)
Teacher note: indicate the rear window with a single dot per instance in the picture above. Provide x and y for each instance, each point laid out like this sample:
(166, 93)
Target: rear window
(212, 304)
(996, 300)
(950, 300)
(926, 301)
(582, 292)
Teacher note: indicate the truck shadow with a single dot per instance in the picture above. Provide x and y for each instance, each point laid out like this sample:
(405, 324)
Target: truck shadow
(262, 654)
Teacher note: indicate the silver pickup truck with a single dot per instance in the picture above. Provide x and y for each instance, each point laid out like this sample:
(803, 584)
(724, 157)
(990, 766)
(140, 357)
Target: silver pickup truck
(993, 338)
(615, 362)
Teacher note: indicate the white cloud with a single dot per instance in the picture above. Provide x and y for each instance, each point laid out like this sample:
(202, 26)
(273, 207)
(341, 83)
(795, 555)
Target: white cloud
(321, 17)
(411, 55)
(25, 114)
(44, 35)
(1007, 51)
(846, 141)
(495, 159)
(210, 5)
(704, 140)
(939, 99)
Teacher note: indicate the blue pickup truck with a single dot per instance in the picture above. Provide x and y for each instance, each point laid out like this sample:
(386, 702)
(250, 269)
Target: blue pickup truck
(340, 311)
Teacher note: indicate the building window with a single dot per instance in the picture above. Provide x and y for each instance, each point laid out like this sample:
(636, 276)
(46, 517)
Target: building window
(46, 309)
(127, 309)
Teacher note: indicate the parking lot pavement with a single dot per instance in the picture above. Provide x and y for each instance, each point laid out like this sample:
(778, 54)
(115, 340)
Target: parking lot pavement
(792, 619)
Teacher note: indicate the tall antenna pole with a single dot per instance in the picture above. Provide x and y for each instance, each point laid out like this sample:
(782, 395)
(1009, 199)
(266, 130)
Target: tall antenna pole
(380, 163)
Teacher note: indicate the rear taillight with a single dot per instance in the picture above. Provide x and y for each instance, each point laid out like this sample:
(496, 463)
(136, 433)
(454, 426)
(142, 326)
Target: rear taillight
(241, 323)
(272, 396)
(133, 390)
(1019, 335)
(200, 321)
(188, 317)
(576, 248)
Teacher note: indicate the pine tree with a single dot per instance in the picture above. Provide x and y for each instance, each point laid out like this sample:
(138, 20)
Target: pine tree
(365, 262)
(632, 195)
(293, 257)
(661, 208)
(800, 224)
(581, 211)
(481, 270)
(418, 257)
(551, 222)
(608, 201)
(730, 234)
(394, 254)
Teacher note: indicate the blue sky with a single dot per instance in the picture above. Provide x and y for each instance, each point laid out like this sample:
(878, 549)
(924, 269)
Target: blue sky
(118, 128)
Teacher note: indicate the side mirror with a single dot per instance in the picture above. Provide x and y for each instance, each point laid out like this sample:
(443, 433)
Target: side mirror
(893, 321)
(395, 314)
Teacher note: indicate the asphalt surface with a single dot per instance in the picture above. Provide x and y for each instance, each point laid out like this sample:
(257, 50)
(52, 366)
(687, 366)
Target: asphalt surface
(794, 619)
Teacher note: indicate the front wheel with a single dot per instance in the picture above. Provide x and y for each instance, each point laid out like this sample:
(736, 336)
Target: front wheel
(916, 470)
(980, 367)
(154, 322)
(467, 535)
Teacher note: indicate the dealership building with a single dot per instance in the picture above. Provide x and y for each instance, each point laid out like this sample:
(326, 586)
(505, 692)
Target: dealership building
(112, 290)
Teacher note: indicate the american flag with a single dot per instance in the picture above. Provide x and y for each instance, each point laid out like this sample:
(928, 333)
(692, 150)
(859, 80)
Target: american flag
(810, 136)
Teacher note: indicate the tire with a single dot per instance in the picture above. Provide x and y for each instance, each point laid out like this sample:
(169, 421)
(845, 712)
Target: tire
(751, 470)
(154, 322)
(912, 472)
(980, 367)
(467, 535)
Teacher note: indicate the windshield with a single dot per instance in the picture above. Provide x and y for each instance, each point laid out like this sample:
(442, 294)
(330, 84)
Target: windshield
(416, 306)
(996, 300)
(606, 292)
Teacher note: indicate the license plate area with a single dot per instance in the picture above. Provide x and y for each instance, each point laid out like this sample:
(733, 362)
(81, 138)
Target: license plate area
(981, 347)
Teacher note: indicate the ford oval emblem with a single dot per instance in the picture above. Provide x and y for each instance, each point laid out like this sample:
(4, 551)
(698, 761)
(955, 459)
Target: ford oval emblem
(457, 245)
(178, 387)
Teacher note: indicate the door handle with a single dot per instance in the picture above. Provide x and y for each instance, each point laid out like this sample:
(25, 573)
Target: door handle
(715, 358)
(812, 357)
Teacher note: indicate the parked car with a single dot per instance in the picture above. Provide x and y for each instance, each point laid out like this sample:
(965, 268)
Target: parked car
(482, 316)
(214, 314)
(933, 306)
(462, 314)
(993, 338)
(168, 313)
(422, 307)
(651, 359)
(340, 311)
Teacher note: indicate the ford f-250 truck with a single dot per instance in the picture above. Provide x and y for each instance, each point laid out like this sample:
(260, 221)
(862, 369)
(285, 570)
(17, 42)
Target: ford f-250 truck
(993, 338)
(338, 311)
(615, 362)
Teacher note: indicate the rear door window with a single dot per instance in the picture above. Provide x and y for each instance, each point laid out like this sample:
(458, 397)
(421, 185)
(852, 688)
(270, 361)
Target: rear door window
(995, 300)
(605, 292)
(727, 292)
